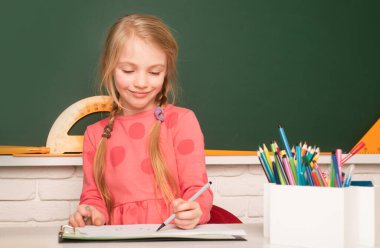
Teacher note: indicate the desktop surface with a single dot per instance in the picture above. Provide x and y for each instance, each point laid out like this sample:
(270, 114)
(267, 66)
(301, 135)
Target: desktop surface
(47, 237)
(41, 237)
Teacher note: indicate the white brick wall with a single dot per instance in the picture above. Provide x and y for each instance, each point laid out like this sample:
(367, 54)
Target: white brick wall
(46, 195)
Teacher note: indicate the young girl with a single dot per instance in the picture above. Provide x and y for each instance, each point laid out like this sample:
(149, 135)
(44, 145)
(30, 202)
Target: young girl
(145, 160)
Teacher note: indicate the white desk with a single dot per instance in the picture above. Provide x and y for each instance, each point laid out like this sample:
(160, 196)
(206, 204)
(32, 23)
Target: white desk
(47, 237)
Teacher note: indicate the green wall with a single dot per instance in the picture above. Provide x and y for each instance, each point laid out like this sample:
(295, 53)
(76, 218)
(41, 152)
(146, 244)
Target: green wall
(244, 66)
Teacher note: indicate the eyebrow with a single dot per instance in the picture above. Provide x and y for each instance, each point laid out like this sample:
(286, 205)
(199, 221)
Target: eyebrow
(151, 66)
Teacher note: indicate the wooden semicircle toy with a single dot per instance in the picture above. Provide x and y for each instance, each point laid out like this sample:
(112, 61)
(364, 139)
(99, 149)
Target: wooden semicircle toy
(59, 141)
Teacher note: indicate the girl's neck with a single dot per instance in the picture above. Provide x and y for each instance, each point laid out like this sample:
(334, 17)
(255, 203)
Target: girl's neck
(126, 112)
(130, 112)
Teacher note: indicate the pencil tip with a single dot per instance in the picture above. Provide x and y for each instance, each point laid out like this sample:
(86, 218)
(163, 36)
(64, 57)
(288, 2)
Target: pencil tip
(162, 225)
(210, 182)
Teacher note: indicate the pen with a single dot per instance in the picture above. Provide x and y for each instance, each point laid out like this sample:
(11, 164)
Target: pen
(276, 175)
(266, 152)
(308, 171)
(338, 153)
(316, 167)
(193, 198)
(266, 163)
(285, 141)
(288, 170)
(300, 169)
(336, 170)
(279, 168)
(294, 170)
(347, 180)
(264, 169)
(352, 152)
(315, 178)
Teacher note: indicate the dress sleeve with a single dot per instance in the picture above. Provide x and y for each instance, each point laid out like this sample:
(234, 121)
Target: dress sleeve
(190, 156)
(90, 194)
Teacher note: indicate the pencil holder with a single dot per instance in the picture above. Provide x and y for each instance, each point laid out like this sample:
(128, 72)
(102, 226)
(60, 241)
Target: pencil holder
(305, 216)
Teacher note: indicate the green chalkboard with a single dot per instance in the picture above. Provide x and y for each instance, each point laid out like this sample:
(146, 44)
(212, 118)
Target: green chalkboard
(244, 66)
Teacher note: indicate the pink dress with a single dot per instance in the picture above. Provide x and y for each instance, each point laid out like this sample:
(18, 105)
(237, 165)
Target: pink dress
(129, 174)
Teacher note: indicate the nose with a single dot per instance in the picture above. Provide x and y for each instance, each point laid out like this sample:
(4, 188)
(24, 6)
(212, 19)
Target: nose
(140, 81)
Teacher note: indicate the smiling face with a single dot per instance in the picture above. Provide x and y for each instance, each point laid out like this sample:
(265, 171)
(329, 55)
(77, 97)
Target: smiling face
(139, 75)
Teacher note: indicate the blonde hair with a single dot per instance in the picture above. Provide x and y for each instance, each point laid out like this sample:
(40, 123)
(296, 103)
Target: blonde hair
(152, 30)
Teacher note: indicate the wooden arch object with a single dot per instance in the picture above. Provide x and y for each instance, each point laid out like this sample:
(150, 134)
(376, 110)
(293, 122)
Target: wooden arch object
(59, 141)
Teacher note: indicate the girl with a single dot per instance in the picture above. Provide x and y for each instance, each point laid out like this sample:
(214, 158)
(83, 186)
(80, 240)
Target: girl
(142, 162)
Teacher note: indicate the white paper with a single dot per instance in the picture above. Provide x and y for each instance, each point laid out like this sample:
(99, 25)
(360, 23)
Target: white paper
(149, 230)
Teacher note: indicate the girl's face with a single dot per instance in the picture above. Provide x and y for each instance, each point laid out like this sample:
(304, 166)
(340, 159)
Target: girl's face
(139, 75)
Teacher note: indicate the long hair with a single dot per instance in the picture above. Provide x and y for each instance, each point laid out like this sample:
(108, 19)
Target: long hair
(151, 29)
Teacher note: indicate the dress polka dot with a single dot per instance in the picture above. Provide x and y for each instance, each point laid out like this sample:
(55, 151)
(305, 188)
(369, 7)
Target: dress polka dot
(137, 130)
(172, 119)
(117, 155)
(146, 166)
(186, 147)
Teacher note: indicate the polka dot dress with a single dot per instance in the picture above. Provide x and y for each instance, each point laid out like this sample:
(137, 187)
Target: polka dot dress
(129, 172)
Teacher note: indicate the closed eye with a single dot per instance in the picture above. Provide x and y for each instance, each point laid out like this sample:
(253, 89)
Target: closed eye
(155, 73)
(128, 71)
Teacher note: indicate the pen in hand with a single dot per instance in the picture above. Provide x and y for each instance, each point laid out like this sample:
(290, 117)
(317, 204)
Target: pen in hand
(193, 198)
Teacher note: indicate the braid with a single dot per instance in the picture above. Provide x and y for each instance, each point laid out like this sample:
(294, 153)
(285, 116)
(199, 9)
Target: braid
(100, 162)
(161, 97)
(163, 178)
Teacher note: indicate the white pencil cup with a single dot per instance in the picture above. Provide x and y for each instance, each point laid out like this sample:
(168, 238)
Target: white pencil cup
(305, 216)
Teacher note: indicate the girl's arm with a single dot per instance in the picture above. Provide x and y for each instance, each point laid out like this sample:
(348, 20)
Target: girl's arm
(90, 194)
(190, 155)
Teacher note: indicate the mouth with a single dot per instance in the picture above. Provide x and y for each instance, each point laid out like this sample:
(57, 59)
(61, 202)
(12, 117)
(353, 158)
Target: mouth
(139, 94)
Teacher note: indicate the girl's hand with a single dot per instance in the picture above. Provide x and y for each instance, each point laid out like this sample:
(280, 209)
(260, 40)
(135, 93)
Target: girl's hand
(187, 214)
(86, 215)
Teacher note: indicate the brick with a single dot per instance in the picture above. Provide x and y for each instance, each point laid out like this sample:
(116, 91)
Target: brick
(214, 170)
(214, 185)
(78, 171)
(60, 189)
(17, 189)
(34, 223)
(19, 211)
(234, 170)
(73, 206)
(251, 220)
(37, 172)
(226, 170)
(241, 186)
(17, 224)
(256, 207)
(51, 223)
(255, 170)
(365, 169)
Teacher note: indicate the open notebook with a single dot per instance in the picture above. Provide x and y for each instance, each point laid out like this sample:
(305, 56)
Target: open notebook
(147, 232)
